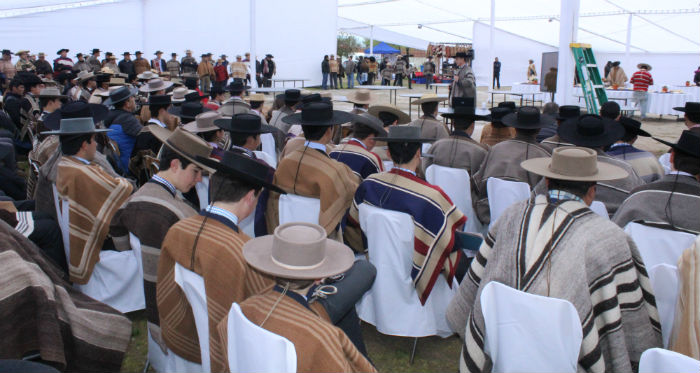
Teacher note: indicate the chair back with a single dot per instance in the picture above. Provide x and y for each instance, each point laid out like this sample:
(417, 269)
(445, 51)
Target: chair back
(247, 225)
(62, 207)
(503, 193)
(665, 160)
(269, 148)
(425, 147)
(600, 209)
(270, 160)
(295, 208)
(656, 360)
(657, 246)
(390, 241)
(455, 182)
(529, 333)
(202, 189)
(254, 349)
(388, 165)
(665, 282)
(135, 244)
(192, 285)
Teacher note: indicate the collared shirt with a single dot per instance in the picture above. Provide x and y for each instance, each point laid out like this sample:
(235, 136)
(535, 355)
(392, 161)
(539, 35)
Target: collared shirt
(619, 144)
(560, 195)
(165, 184)
(81, 159)
(359, 142)
(223, 213)
(681, 173)
(156, 121)
(245, 151)
(406, 170)
(315, 145)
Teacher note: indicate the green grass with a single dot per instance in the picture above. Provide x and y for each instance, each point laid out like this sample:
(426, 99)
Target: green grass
(388, 353)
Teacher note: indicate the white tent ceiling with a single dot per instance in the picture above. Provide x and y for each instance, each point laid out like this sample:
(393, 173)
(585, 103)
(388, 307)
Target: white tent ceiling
(657, 26)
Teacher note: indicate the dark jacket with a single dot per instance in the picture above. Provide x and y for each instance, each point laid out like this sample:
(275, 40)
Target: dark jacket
(127, 67)
(130, 124)
(696, 79)
(325, 66)
(43, 67)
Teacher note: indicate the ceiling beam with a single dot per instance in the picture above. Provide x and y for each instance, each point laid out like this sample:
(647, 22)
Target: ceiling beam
(369, 2)
(51, 8)
(654, 23)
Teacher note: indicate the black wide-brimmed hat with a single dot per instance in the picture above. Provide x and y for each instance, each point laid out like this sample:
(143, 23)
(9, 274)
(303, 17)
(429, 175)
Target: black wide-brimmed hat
(293, 95)
(194, 97)
(689, 108)
(368, 120)
(510, 105)
(159, 100)
(244, 123)
(119, 95)
(188, 110)
(95, 50)
(243, 168)
(567, 112)
(404, 134)
(688, 143)
(497, 114)
(461, 55)
(463, 108)
(76, 109)
(318, 114)
(527, 117)
(633, 126)
(590, 130)
(237, 86)
(62, 50)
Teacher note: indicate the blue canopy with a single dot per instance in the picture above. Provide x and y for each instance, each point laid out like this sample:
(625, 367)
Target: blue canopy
(383, 48)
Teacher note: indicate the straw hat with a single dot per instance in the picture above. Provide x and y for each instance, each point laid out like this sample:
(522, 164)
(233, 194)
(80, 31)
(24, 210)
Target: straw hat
(575, 164)
(203, 122)
(645, 66)
(52, 92)
(298, 251)
(391, 109)
(179, 94)
(116, 81)
(107, 70)
(84, 75)
(360, 97)
(20, 52)
(184, 143)
(147, 75)
(429, 97)
(155, 85)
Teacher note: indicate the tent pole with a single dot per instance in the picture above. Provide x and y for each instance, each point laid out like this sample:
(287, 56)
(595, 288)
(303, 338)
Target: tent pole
(253, 47)
(371, 40)
(568, 29)
(492, 26)
(629, 40)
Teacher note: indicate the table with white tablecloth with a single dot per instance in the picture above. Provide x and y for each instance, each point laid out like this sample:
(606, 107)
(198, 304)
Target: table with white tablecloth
(659, 103)
(692, 90)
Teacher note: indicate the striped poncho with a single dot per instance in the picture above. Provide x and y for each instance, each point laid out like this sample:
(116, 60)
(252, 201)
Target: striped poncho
(435, 220)
(564, 250)
(360, 160)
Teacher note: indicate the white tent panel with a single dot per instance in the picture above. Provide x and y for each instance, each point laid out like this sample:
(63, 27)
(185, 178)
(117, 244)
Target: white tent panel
(667, 69)
(380, 33)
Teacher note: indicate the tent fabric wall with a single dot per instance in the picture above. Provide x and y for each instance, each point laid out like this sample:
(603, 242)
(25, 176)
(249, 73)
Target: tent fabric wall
(667, 69)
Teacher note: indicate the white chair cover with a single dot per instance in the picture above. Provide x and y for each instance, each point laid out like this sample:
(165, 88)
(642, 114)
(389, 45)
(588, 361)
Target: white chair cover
(192, 285)
(247, 225)
(656, 360)
(665, 160)
(117, 278)
(600, 209)
(456, 184)
(388, 165)
(665, 282)
(529, 333)
(657, 246)
(503, 193)
(268, 147)
(270, 160)
(202, 189)
(425, 147)
(157, 358)
(176, 363)
(392, 304)
(254, 349)
(295, 208)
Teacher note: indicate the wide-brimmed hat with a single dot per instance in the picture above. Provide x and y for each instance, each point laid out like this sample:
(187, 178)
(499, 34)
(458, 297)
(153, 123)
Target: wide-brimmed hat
(76, 126)
(157, 53)
(126, 54)
(243, 123)
(84, 75)
(147, 75)
(567, 112)
(188, 110)
(510, 105)
(51, 92)
(616, 63)
(643, 65)
(429, 97)
(463, 108)
(138, 52)
(113, 81)
(19, 52)
(194, 96)
(575, 164)
(404, 134)
(403, 118)
(95, 50)
(688, 143)
(242, 168)
(255, 97)
(63, 50)
(107, 70)
(269, 55)
(102, 78)
(497, 114)
(237, 86)
(183, 143)
(6, 51)
(633, 126)
(527, 117)
(161, 100)
(590, 130)
(204, 122)
(121, 94)
(360, 97)
(298, 251)
(318, 114)
(368, 120)
(689, 108)
(155, 85)
(461, 55)
(178, 94)
(76, 109)
(292, 95)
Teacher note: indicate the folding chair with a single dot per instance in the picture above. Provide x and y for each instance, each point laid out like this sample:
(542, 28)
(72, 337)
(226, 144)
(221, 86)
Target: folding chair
(656, 360)
(192, 285)
(455, 182)
(503, 193)
(295, 208)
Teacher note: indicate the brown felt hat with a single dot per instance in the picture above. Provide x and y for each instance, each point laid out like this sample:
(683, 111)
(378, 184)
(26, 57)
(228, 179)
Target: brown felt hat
(360, 97)
(184, 143)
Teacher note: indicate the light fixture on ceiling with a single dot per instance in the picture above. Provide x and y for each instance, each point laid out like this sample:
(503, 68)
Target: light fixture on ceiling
(420, 26)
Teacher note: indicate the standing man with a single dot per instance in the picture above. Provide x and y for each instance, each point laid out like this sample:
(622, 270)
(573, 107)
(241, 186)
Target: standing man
(173, 66)
(333, 67)
(188, 63)
(428, 71)
(496, 74)
(239, 69)
(6, 65)
(24, 64)
(79, 66)
(205, 70)
(158, 63)
(616, 77)
(268, 69)
(641, 81)
(220, 74)
(94, 61)
(140, 64)
(464, 84)
(43, 67)
(399, 71)
(325, 70)
(350, 70)
(63, 62)
(126, 66)
(246, 60)
(531, 71)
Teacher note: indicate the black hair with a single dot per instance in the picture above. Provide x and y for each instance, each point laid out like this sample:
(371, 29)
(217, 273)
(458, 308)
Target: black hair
(191, 83)
(240, 138)
(70, 144)
(361, 132)
(693, 117)
(610, 110)
(527, 132)
(358, 106)
(16, 82)
(387, 118)
(685, 162)
(462, 124)
(154, 109)
(403, 152)
(629, 136)
(313, 133)
(208, 136)
(43, 101)
(84, 83)
(166, 157)
(290, 103)
(225, 188)
(575, 187)
(120, 104)
(429, 107)
(256, 104)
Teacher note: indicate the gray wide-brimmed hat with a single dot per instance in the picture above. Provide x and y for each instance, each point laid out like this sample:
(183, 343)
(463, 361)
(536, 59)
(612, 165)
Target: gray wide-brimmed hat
(403, 118)
(184, 143)
(155, 85)
(204, 122)
(574, 164)
(298, 251)
(84, 75)
(404, 134)
(51, 92)
(179, 94)
(147, 75)
(429, 97)
(76, 126)
(121, 94)
(368, 120)
(360, 97)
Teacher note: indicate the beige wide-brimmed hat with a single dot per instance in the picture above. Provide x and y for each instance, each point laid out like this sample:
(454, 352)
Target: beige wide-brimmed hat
(391, 109)
(256, 97)
(179, 94)
(360, 97)
(147, 75)
(51, 92)
(155, 85)
(84, 75)
(298, 251)
(204, 122)
(575, 164)
(643, 65)
(113, 81)
(106, 70)
(20, 52)
(183, 143)
(429, 97)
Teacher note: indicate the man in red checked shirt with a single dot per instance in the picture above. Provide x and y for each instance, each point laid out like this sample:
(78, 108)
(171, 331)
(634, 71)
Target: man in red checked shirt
(642, 80)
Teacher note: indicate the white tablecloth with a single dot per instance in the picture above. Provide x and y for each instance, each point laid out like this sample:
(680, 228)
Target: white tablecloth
(659, 103)
(525, 88)
(693, 90)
